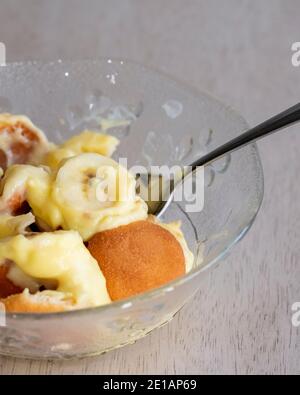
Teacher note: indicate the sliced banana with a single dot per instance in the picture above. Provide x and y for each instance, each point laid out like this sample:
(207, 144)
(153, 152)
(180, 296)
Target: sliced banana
(14, 185)
(89, 193)
(11, 226)
(86, 142)
(95, 193)
(26, 183)
(14, 188)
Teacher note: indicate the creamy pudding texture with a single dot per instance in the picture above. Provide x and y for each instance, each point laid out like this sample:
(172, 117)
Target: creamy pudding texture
(54, 201)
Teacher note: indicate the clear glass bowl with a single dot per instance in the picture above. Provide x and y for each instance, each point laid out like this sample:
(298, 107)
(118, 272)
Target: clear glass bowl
(159, 121)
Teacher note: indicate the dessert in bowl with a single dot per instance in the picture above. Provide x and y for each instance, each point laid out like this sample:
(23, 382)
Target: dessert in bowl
(78, 276)
(57, 198)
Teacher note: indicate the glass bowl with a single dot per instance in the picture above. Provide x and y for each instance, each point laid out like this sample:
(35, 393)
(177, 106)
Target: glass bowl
(159, 121)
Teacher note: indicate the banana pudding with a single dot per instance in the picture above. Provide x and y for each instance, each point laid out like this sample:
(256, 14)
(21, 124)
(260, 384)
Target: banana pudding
(73, 231)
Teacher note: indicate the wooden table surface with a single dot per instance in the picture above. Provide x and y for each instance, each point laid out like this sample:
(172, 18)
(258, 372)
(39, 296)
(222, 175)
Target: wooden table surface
(240, 51)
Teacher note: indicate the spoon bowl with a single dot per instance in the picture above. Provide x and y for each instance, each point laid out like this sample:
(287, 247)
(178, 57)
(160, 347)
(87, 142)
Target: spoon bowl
(163, 189)
(158, 121)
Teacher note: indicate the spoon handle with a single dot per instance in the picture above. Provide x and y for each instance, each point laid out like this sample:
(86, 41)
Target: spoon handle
(280, 121)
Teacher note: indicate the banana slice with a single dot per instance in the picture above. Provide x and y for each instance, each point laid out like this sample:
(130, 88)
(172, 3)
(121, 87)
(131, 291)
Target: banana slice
(86, 142)
(21, 141)
(65, 260)
(95, 193)
(11, 226)
(89, 193)
(26, 185)
(14, 186)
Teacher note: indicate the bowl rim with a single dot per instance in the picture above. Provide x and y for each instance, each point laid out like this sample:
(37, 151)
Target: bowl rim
(128, 303)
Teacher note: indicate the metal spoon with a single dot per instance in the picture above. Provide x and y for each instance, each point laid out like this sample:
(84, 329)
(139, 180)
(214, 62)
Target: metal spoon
(159, 206)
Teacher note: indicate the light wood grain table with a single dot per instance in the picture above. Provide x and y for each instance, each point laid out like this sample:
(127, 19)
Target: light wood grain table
(239, 50)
